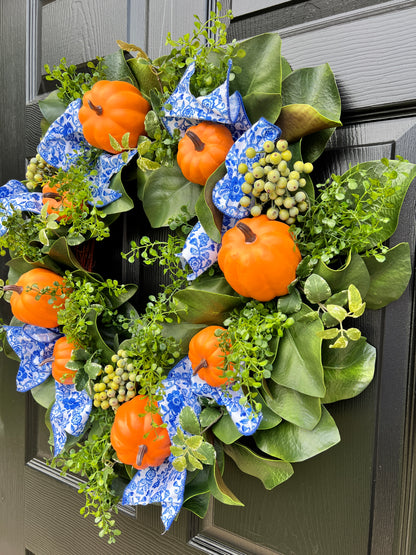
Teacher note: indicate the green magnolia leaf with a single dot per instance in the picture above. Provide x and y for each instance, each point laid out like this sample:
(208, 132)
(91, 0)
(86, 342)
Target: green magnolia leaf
(406, 172)
(219, 490)
(260, 79)
(209, 416)
(182, 333)
(145, 75)
(298, 361)
(117, 69)
(226, 430)
(311, 102)
(316, 289)
(198, 504)
(270, 472)
(337, 312)
(44, 394)
(270, 418)
(122, 204)
(189, 421)
(208, 214)
(165, 192)
(388, 279)
(302, 410)
(95, 335)
(293, 444)
(313, 145)
(290, 303)
(52, 107)
(353, 271)
(347, 371)
(206, 301)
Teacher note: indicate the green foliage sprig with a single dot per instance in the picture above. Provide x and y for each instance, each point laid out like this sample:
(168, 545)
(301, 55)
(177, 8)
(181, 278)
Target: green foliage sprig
(248, 346)
(73, 83)
(94, 459)
(346, 214)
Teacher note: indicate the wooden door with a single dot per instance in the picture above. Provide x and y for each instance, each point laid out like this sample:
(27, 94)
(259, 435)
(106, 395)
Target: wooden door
(355, 499)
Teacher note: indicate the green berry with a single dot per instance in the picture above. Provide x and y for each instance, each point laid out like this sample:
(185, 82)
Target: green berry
(269, 187)
(245, 201)
(283, 214)
(275, 158)
(293, 212)
(298, 166)
(258, 172)
(268, 146)
(264, 197)
(282, 145)
(300, 196)
(282, 166)
(302, 182)
(303, 206)
(290, 220)
(251, 152)
(262, 161)
(281, 183)
(256, 210)
(259, 185)
(242, 168)
(289, 202)
(294, 175)
(273, 176)
(272, 213)
(278, 201)
(292, 185)
(307, 167)
(246, 188)
(249, 178)
(287, 155)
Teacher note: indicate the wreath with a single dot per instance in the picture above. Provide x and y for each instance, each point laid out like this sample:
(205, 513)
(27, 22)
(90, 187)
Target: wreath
(247, 341)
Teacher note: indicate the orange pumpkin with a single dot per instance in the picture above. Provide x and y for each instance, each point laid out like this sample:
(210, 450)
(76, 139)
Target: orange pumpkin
(62, 353)
(207, 357)
(28, 309)
(112, 108)
(259, 258)
(137, 436)
(55, 199)
(202, 149)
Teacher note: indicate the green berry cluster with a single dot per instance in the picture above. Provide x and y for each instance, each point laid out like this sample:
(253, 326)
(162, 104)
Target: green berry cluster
(275, 182)
(118, 382)
(37, 172)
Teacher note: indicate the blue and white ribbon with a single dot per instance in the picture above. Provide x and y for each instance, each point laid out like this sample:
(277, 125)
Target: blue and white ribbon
(14, 197)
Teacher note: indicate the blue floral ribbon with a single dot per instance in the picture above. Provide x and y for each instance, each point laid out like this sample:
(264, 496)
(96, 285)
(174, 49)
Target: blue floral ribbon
(14, 196)
(183, 109)
(64, 143)
(71, 410)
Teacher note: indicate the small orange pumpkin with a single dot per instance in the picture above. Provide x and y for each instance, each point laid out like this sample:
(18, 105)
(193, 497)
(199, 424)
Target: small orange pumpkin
(55, 199)
(37, 312)
(202, 149)
(259, 258)
(62, 353)
(112, 108)
(137, 435)
(207, 357)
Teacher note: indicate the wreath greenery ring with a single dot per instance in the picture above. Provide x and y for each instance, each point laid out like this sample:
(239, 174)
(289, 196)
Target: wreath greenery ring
(248, 341)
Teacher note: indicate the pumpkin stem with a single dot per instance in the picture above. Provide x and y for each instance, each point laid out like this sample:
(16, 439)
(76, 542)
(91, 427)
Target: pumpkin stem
(50, 359)
(140, 454)
(15, 288)
(97, 109)
(198, 144)
(249, 234)
(55, 196)
(202, 364)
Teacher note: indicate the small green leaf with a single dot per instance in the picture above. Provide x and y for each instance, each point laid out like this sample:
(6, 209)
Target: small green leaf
(143, 147)
(194, 442)
(353, 333)
(360, 311)
(354, 298)
(176, 450)
(179, 464)
(337, 312)
(340, 343)
(189, 421)
(329, 333)
(209, 416)
(207, 450)
(125, 140)
(316, 289)
(194, 462)
(114, 143)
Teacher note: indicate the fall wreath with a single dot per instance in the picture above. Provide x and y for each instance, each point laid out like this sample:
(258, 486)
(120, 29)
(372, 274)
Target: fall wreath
(248, 340)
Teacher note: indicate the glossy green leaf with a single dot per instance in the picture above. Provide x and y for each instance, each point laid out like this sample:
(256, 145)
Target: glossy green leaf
(353, 271)
(206, 301)
(260, 80)
(270, 472)
(313, 145)
(117, 68)
(198, 504)
(124, 203)
(145, 75)
(226, 430)
(219, 489)
(209, 416)
(189, 421)
(388, 279)
(298, 361)
(165, 193)
(293, 444)
(270, 419)
(347, 371)
(96, 336)
(44, 394)
(208, 214)
(406, 172)
(316, 289)
(298, 408)
(52, 107)
(182, 333)
(310, 101)
(290, 303)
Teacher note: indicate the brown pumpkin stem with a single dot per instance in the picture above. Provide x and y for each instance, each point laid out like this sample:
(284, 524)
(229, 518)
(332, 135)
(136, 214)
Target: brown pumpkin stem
(249, 234)
(50, 359)
(202, 364)
(97, 109)
(55, 196)
(140, 454)
(198, 144)
(15, 288)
